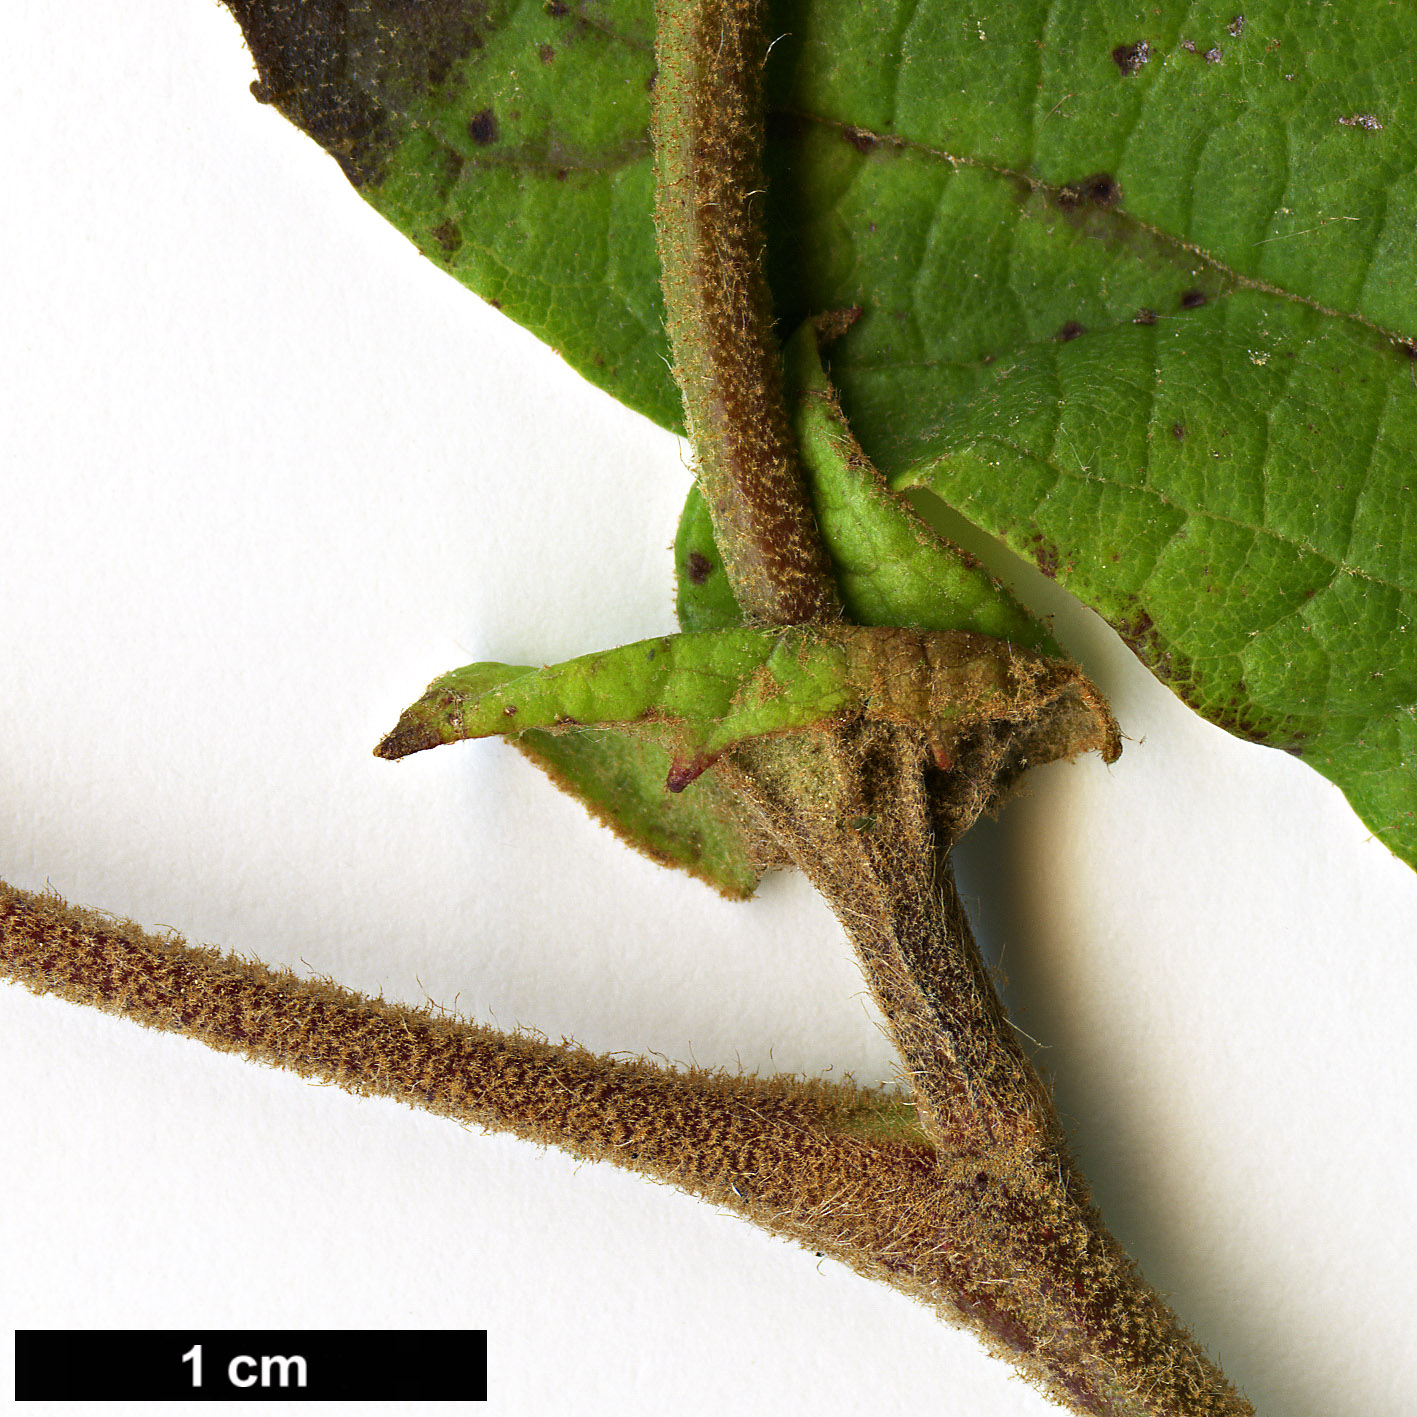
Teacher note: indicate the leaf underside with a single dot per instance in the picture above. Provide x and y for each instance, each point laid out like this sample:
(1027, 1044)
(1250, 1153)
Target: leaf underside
(620, 780)
(1137, 288)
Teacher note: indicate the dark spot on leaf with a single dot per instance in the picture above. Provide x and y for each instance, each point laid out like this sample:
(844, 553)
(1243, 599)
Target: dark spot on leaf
(1408, 347)
(509, 710)
(447, 235)
(1244, 720)
(1178, 431)
(860, 139)
(1144, 317)
(1130, 57)
(558, 8)
(650, 82)
(1045, 556)
(482, 128)
(339, 75)
(1139, 635)
(699, 567)
(1237, 26)
(494, 303)
(1193, 299)
(1100, 191)
(833, 324)
(1213, 56)
(546, 54)
(560, 174)
(1370, 121)
(1070, 331)
(1189, 45)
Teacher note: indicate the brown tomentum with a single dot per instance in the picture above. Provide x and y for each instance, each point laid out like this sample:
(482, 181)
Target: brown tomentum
(709, 183)
(843, 1171)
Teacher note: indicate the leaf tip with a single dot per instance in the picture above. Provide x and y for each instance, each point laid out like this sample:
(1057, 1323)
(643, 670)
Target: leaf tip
(411, 734)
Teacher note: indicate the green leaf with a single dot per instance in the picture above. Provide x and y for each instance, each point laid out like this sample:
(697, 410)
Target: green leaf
(1137, 288)
(619, 779)
(702, 693)
(891, 568)
(703, 599)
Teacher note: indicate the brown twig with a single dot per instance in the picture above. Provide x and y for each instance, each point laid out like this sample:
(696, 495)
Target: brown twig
(854, 807)
(840, 1170)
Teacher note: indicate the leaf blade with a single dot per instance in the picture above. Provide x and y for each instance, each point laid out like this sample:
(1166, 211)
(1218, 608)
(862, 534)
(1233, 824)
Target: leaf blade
(1018, 210)
(619, 780)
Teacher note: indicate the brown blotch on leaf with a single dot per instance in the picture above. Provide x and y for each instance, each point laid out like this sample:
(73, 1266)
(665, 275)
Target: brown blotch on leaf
(699, 567)
(447, 235)
(1178, 431)
(832, 324)
(1244, 720)
(1130, 57)
(1100, 191)
(482, 128)
(860, 139)
(1045, 557)
(301, 58)
(546, 54)
(1193, 299)
(398, 48)
(1070, 331)
(1144, 317)
(1214, 56)
(557, 9)
(1139, 635)
(1237, 26)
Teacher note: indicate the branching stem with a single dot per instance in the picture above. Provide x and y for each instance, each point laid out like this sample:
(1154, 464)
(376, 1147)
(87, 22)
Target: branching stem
(836, 1169)
(852, 805)
(981, 1214)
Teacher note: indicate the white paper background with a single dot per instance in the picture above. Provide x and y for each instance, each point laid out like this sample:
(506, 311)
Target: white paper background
(265, 473)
